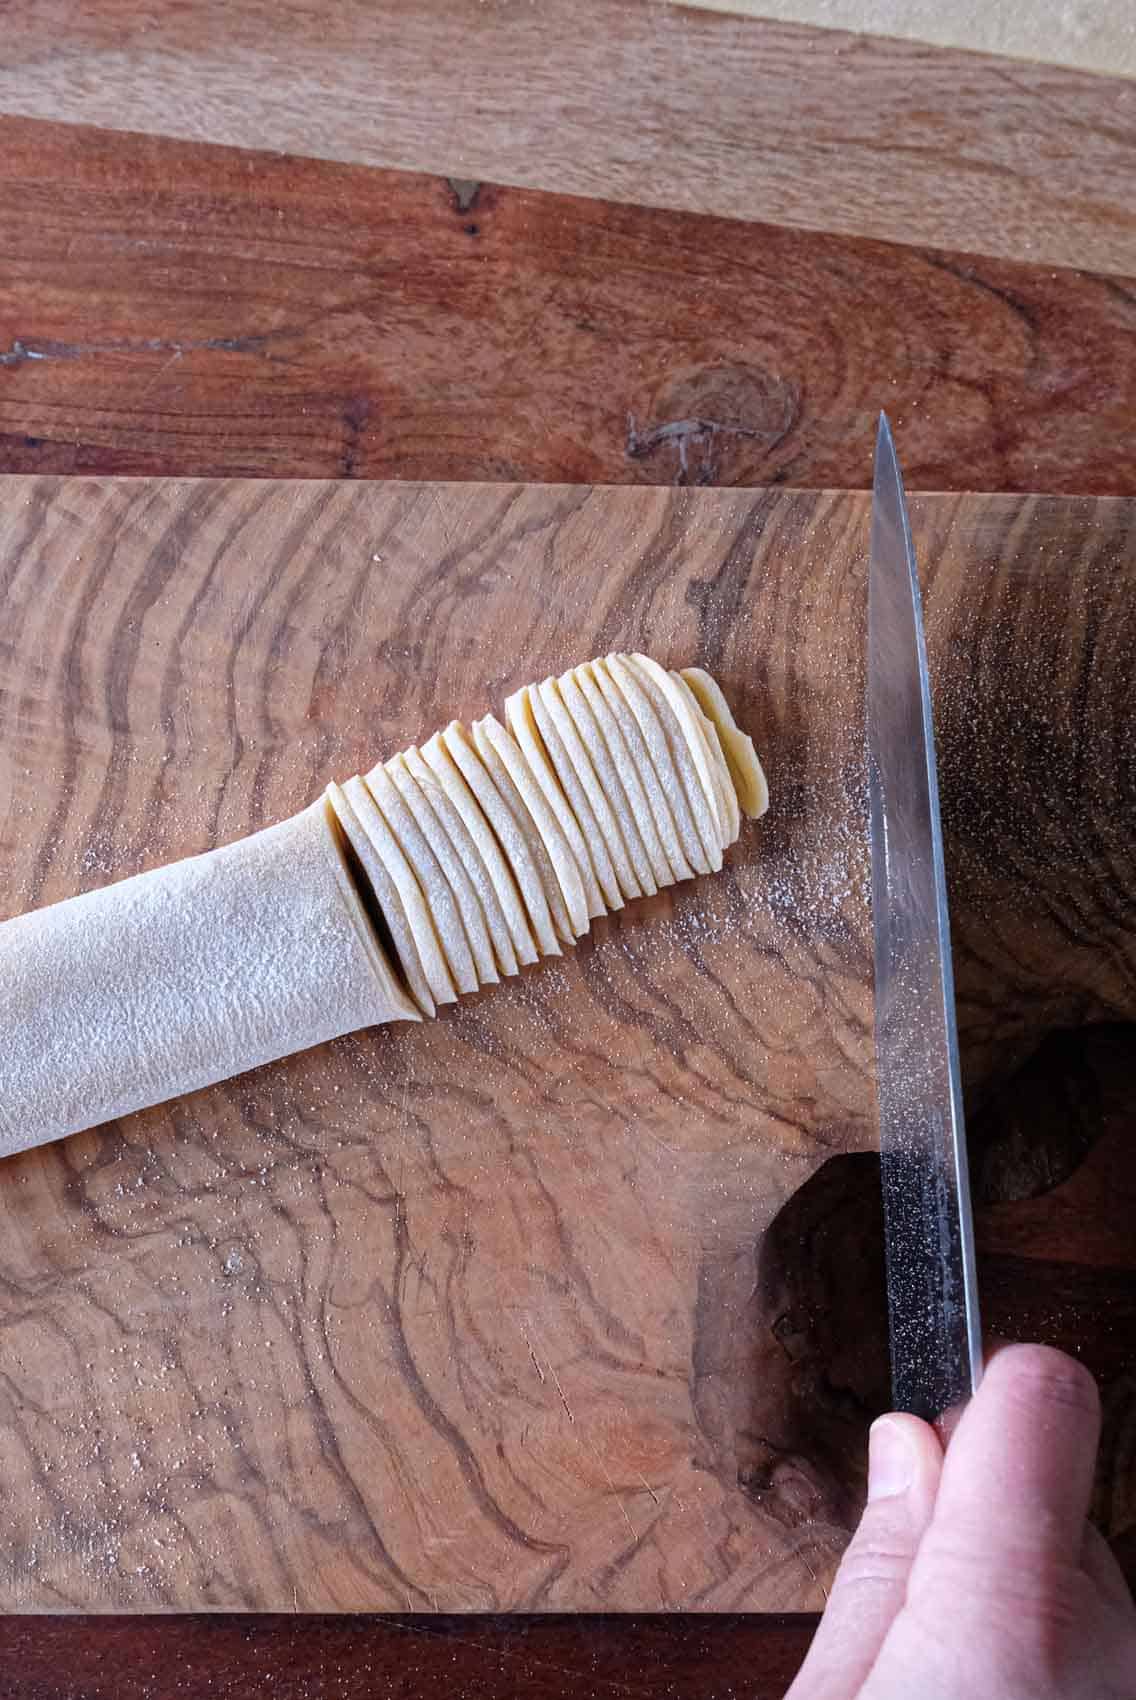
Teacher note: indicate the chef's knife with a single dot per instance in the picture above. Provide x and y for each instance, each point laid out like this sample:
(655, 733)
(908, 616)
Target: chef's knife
(936, 1339)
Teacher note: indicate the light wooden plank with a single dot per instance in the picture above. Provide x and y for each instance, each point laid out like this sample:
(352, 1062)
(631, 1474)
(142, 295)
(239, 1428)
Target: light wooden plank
(622, 99)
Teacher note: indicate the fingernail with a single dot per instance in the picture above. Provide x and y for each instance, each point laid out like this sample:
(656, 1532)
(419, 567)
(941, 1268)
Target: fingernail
(891, 1459)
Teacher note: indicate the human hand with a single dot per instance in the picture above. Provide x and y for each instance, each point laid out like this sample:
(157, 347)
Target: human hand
(974, 1575)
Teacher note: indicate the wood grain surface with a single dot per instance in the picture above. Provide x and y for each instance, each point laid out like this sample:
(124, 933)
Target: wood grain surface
(446, 1325)
(623, 99)
(175, 308)
(482, 1316)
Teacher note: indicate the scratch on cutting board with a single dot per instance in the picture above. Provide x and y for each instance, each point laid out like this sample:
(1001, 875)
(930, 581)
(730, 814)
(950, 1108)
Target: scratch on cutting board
(596, 1454)
(21, 352)
(582, 1440)
(587, 1445)
(560, 1390)
(533, 1356)
(648, 1486)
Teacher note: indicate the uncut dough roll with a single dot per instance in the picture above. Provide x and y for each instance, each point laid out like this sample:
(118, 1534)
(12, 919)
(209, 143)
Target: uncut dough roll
(482, 851)
(183, 976)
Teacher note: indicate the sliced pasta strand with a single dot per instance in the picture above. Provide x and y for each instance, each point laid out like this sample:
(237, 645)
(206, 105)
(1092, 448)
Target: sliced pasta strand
(608, 850)
(556, 731)
(604, 789)
(708, 756)
(560, 872)
(430, 952)
(660, 761)
(451, 779)
(728, 808)
(643, 841)
(522, 723)
(470, 878)
(463, 894)
(680, 728)
(640, 764)
(432, 882)
(745, 768)
(387, 897)
(508, 833)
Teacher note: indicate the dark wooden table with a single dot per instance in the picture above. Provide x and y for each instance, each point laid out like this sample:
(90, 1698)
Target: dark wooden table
(173, 307)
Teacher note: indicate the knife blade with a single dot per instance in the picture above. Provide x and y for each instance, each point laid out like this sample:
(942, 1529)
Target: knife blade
(932, 1288)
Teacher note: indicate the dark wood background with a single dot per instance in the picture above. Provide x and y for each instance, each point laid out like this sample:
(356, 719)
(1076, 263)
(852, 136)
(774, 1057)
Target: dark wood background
(171, 307)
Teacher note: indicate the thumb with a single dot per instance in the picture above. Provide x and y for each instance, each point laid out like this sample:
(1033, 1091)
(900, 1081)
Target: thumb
(904, 1461)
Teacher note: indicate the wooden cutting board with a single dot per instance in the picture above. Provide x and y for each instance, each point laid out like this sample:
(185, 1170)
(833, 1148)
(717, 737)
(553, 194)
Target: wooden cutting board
(504, 1312)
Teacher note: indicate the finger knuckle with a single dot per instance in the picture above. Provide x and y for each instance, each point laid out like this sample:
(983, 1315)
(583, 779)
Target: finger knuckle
(1041, 1376)
(875, 1560)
